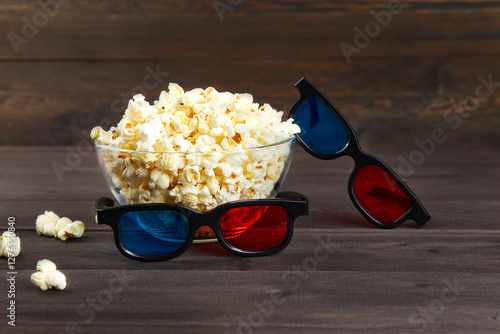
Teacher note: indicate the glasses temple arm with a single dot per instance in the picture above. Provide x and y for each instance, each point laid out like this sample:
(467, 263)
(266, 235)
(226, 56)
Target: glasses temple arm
(302, 207)
(422, 215)
(291, 195)
(104, 202)
(304, 86)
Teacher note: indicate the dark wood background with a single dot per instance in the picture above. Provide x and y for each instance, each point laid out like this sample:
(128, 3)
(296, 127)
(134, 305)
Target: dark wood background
(66, 80)
(397, 89)
(375, 281)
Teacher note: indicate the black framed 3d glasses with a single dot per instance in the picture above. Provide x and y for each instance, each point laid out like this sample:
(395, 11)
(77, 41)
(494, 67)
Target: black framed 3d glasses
(154, 232)
(375, 189)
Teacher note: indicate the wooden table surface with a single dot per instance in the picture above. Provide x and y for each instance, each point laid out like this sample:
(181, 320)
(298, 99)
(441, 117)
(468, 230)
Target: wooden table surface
(338, 275)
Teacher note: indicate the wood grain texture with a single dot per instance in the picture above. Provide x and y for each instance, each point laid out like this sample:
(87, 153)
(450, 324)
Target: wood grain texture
(444, 182)
(389, 102)
(352, 250)
(68, 75)
(281, 30)
(339, 273)
(37, 109)
(349, 303)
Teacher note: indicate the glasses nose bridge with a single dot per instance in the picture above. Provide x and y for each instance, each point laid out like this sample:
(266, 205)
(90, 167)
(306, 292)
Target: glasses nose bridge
(206, 225)
(360, 159)
(200, 219)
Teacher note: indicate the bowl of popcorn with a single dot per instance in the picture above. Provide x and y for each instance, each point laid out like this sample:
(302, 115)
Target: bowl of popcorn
(199, 148)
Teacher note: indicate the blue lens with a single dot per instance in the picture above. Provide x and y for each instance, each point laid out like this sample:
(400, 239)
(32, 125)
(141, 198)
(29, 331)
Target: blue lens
(320, 128)
(153, 232)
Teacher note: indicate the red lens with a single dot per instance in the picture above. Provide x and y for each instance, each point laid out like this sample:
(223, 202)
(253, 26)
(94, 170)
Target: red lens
(380, 195)
(255, 227)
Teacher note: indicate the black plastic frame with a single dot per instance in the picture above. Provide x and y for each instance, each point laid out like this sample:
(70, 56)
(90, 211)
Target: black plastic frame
(361, 159)
(294, 203)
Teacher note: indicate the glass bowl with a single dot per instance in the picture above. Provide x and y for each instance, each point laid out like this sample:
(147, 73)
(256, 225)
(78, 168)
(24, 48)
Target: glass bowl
(200, 180)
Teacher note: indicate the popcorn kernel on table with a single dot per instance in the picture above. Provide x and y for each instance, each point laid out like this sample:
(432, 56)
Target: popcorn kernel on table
(49, 224)
(48, 277)
(10, 244)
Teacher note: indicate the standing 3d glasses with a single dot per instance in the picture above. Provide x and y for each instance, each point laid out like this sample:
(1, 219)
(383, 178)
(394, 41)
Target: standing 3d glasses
(375, 189)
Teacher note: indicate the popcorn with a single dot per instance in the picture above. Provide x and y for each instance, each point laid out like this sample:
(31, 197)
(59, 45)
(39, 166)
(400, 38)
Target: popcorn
(48, 277)
(126, 128)
(159, 179)
(49, 224)
(199, 148)
(10, 244)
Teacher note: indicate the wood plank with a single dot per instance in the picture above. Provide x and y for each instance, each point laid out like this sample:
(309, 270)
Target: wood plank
(350, 250)
(349, 302)
(443, 183)
(379, 122)
(387, 100)
(153, 31)
(55, 112)
(334, 291)
(462, 76)
(195, 8)
(413, 77)
(374, 280)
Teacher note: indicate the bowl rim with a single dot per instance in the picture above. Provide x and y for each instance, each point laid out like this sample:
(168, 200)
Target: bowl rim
(107, 147)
